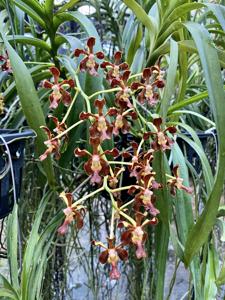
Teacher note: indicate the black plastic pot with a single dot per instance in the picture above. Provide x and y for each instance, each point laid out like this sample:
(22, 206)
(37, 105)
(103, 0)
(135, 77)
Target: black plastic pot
(15, 141)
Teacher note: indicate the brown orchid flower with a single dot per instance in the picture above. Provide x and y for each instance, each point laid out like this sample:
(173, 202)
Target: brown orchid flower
(72, 213)
(113, 179)
(100, 127)
(148, 88)
(162, 141)
(96, 166)
(111, 255)
(123, 96)
(121, 122)
(5, 63)
(88, 63)
(145, 197)
(134, 234)
(177, 183)
(54, 144)
(116, 68)
(58, 92)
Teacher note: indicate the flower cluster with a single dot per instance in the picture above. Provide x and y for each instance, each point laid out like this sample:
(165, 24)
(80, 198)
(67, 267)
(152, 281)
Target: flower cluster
(108, 167)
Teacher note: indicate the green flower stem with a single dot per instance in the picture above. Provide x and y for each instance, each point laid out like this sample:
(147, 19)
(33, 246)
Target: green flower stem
(70, 107)
(170, 176)
(128, 218)
(103, 92)
(135, 75)
(67, 130)
(119, 163)
(139, 146)
(139, 114)
(123, 188)
(127, 204)
(86, 98)
(88, 196)
(39, 63)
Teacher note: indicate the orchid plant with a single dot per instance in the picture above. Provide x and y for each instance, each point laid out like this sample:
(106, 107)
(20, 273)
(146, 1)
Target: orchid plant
(106, 167)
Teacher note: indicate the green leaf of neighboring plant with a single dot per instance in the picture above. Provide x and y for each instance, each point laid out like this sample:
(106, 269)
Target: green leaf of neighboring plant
(211, 68)
(134, 45)
(31, 105)
(34, 5)
(82, 20)
(27, 9)
(4, 283)
(171, 79)
(221, 277)
(67, 6)
(7, 293)
(210, 288)
(12, 240)
(141, 15)
(27, 40)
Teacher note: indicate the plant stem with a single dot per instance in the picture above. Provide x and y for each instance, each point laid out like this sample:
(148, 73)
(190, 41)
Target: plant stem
(122, 188)
(70, 107)
(119, 163)
(85, 96)
(87, 196)
(103, 92)
(67, 130)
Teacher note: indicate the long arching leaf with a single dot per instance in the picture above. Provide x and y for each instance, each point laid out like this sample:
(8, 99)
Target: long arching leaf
(30, 104)
(210, 63)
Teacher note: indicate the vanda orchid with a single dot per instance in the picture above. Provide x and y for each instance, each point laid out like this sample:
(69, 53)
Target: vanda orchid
(106, 165)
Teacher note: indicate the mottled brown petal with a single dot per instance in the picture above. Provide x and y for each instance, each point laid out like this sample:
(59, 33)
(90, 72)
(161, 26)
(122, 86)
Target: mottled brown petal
(122, 253)
(157, 122)
(117, 56)
(84, 115)
(78, 52)
(99, 104)
(66, 97)
(126, 236)
(135, 85)
(171, 129)
(103, 257)
(91, 43)
(126, 75)
(80, 153)
(114, 152)
(79, 220)
(69, 197)
(47, 84)
(56, 73)
(100, 55)
(175, 171)
(147, 73)
(112, 111)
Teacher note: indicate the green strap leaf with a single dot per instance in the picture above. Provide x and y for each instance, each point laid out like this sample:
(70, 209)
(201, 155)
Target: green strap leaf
(211, 67)
(178, 12)
(4, 283)
(67, 6)
(30, 105)
(36, 6)
(141, 15)
(7, 293)
(29, 41)
(12, 240)
(82, 20)
(171, 79)
(27, 9)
